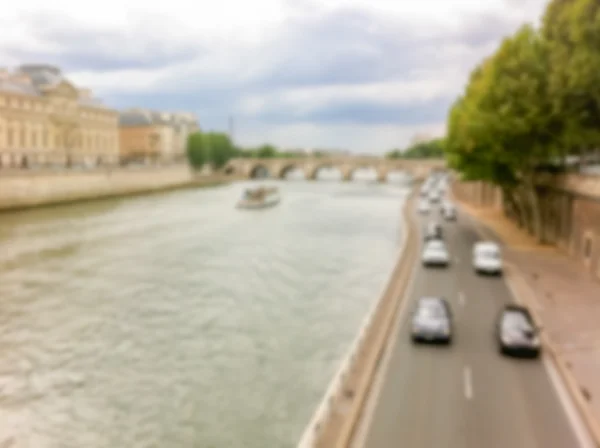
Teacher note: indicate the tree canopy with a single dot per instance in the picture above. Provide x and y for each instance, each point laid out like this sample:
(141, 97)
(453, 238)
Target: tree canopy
(421, 150)
(535, 100)
(216, 149)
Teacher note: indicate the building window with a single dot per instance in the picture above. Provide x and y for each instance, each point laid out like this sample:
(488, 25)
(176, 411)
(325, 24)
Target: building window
(34, 141)
(587, 248)
(10, 137)
(23, 136)
(45, 138)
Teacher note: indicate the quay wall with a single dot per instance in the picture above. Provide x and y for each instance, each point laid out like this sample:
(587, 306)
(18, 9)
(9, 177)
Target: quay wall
(23, 189)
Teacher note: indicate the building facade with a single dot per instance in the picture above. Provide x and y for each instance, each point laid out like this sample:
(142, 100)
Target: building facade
(46, 121)
(147, 135)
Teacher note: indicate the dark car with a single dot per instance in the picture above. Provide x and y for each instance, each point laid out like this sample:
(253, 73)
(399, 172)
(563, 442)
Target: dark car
(517, 333)
(432, 321)
(433, 231)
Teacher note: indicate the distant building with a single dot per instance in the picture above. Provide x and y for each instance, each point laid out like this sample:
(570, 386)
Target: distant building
(151, 135)
(46, 120)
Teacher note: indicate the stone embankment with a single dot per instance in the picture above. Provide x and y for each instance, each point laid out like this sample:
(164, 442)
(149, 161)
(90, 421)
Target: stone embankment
(338, 416)
(25, 189)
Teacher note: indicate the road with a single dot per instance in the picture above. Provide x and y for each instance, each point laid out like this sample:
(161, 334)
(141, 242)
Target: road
(465, 395)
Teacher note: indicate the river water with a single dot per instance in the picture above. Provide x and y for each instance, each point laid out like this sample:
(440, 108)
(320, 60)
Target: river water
(175, 320)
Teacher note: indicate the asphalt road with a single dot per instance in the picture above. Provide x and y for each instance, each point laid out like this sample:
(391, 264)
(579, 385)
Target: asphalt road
(465, 395)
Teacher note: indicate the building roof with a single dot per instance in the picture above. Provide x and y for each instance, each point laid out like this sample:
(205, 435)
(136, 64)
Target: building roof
(146, 117)
(39, 77)
(134, 118)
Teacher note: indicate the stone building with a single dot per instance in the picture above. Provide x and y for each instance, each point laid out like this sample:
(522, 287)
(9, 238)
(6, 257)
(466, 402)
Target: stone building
(147, 135)
(45, 120)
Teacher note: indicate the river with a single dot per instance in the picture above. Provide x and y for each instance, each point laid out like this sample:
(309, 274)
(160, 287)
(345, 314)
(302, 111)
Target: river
(175, 320)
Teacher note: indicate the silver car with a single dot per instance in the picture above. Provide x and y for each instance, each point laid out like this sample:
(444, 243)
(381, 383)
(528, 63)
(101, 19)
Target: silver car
(516, 332)
(435, 253)
(432, 321)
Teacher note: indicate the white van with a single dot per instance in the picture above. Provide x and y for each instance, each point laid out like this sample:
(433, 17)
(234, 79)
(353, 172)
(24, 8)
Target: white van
(487, 258)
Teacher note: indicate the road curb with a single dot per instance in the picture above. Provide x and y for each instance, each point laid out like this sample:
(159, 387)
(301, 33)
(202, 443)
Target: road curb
(522, 293)
(336, 418)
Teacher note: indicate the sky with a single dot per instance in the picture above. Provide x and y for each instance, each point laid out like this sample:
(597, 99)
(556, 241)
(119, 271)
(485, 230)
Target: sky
(362, 75)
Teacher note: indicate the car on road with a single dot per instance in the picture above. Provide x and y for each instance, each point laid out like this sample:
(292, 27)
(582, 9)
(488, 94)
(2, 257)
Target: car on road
(435, 253)
(432, 321)
(433, 231)
(423, 207)
(449, 211)
(434, 196)
(487, 258)
(516, 332)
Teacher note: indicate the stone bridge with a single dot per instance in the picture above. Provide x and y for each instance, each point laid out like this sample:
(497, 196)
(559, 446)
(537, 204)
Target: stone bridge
(310, 166)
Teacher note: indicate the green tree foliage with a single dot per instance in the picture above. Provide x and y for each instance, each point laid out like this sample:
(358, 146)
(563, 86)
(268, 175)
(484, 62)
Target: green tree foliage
(197, 150)
(212, 148)
(571, 31)
(221, 148)
(216, 149)
(422, 150)
(267, 151)
(534, 101)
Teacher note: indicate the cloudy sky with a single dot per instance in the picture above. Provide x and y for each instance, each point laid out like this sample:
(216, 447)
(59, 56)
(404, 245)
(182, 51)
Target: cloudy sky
(364, 75)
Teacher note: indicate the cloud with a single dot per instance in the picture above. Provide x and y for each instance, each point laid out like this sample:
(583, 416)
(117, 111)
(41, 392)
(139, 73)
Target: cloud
(287, 67)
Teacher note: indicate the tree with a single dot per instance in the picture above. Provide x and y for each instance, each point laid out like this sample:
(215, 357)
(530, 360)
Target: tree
(221, 149)
(501, 130)
(197, 150)
(394, 154)
(571, 30)
(266, 151)
(420, 149)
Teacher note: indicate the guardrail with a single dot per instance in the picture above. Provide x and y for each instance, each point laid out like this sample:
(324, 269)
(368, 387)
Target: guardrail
(326, 428)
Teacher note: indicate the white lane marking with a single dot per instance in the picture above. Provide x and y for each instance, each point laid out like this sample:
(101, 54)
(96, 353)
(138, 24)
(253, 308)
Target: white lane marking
(468, 383)
(462, 301)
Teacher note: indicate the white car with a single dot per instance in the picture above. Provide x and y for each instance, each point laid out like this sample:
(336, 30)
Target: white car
(487, 258)
(434, 196)
(435, 253)
(449, 212)
(423, 207)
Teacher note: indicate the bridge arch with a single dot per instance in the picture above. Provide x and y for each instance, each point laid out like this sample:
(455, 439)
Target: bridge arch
(229, 170)
(314, 173)
(397, 174)
(289, 168)
(363, 168)
(259, 171)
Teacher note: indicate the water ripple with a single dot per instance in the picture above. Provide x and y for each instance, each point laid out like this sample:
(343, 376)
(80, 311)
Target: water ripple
(176, 320)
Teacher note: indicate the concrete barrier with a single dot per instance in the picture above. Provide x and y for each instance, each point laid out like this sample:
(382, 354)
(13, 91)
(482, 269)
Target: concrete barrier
(355, 375)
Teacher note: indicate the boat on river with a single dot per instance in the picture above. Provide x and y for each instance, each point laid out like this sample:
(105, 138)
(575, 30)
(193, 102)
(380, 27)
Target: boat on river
(261, 197)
